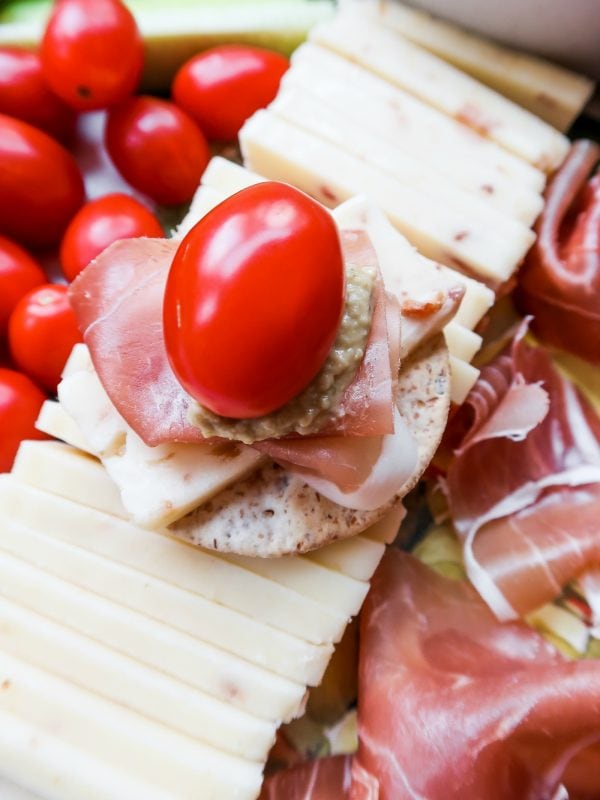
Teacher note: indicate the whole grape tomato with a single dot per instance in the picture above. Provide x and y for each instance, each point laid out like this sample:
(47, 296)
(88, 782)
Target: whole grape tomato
(40, 185)
(92, 53)
(100, 223)
(24, 94)
(20, 403)
(157, 148)
(254, 300)
(19, 273)
(223, 86)
(42, 331)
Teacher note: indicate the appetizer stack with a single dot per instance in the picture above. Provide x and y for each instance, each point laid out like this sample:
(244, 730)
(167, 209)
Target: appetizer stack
(175, 572)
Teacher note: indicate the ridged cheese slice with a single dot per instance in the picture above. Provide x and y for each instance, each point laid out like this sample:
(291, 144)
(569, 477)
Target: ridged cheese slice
(444, 87)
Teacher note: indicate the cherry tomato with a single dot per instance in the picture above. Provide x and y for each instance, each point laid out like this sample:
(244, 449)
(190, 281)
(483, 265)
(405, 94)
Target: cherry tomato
(157, 148)
(19, 273)
(25, 95)
(20, 403)
(100, 223)
(40, 184)
(254, 300)
(221, 87)
(92, 53)
(42, 331)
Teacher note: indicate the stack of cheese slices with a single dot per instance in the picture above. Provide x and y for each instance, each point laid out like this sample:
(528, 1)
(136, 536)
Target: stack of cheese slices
(136, 667)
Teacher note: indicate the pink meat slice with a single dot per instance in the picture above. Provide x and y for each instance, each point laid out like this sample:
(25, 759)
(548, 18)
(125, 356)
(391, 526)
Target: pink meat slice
(454, 704)
(118, 302)
(524, 486)
(321, 779)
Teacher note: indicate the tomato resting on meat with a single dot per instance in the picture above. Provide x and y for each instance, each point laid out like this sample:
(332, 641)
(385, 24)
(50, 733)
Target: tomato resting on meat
(19, 273)
(254, 300)
(157, 148)
(100, 223)
(223, 86)
(42, 331)
(92, 53)
(40, 184)
(20, 403)
(24, 94)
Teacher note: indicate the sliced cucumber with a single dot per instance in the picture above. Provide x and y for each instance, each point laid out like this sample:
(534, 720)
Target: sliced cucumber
(175, 31)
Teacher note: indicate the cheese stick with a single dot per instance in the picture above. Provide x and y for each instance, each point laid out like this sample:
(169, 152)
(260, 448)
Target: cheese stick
(298, 107)
(551, 92)
(394, 120)
(444, 87)
(281, 151)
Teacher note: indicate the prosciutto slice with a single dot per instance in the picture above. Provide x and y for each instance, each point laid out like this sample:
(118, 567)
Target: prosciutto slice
(321, 779)
(454, 705)
(524, 485)
(118, 302)
(560, 281)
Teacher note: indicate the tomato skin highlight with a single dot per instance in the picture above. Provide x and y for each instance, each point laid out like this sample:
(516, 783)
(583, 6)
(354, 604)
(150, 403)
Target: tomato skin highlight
(223, 86)
(40, 185)
(42, 331)
(101, 222)
(254, 300)
(157, 148)
(92, 53)
(24, 94)
(19, 273)
(20, 403)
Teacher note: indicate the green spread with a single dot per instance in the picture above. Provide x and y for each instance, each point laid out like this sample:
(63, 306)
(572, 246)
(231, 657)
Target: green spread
(315, 406)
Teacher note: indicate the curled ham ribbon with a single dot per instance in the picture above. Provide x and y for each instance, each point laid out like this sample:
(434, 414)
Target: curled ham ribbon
(524, 485)
(453, 704)
(559, 283)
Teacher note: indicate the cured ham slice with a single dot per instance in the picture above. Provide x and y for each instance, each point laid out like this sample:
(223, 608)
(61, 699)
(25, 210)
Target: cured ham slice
(322, 779)
(454, 705)
(118, 302)
(524, 485)
(560, 281)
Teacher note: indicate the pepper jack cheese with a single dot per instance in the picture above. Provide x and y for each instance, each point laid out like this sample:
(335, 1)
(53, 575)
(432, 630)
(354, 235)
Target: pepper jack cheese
(553, 93)
(444, 87)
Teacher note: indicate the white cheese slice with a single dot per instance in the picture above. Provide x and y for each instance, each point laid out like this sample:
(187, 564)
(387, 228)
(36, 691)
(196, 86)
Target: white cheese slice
(225, 676)
(201, 618)
(357, 556)
(388, 111)
(462, 342)
(464, 377)
(35, 757)
(204, 200)
(226, 177)
(128, 683)
(158, 485)
(297, 106)
(281, 151)
(58, 467)
(425, 75)
(553, 93)
(55, 421)
(119, 736)
(189, 568)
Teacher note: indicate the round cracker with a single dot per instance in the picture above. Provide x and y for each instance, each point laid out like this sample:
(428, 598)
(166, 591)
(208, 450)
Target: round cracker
(274, 513)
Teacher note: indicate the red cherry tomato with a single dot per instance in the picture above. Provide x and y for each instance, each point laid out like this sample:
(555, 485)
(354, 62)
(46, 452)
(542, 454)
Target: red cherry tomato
(157, 148)
(42, 331)
(223, 86)
(92, 53)
(254, 300)
(19, 273)
(100, 223)
(25, 95)
(20, 403)
(40, 184)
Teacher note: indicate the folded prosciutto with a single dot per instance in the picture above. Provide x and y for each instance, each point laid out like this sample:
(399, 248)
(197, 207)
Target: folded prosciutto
(322, 779)
(524, 484)
(455, 705)
(560, 281)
